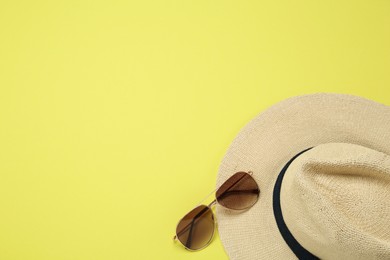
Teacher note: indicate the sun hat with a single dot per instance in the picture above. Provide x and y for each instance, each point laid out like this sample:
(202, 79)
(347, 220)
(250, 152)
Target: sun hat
(322, 163)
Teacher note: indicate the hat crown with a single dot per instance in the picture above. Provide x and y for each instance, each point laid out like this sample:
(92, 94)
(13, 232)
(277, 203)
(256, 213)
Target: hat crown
(335, 200)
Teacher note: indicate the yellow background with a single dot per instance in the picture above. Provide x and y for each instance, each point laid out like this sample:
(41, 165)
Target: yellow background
(115, 115)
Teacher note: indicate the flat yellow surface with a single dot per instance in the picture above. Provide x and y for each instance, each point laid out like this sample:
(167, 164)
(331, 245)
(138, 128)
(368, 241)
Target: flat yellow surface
(115, 115)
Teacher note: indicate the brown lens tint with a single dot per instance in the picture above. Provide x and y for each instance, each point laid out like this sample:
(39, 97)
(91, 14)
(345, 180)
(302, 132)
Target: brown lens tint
(239, 192)
(195, 230)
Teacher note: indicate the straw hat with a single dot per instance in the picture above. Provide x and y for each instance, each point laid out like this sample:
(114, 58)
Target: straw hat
(322, 163)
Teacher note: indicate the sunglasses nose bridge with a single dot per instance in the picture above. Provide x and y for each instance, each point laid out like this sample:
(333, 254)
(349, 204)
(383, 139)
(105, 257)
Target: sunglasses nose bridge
(212, 203)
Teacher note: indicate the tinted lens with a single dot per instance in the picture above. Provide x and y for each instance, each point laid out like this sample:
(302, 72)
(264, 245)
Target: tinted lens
(196, 229)
(239, 192)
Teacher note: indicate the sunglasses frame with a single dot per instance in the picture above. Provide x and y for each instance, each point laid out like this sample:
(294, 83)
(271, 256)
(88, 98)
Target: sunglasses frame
(214, 202)
(175, 238)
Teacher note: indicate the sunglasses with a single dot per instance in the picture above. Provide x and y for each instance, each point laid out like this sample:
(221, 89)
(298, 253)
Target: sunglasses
(196, 229)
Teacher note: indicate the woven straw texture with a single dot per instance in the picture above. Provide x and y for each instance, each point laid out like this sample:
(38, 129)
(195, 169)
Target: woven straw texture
(346, 228)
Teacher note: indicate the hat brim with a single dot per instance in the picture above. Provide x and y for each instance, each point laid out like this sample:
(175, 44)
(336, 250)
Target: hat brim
(269, 141)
